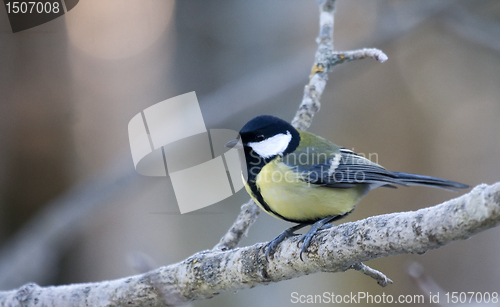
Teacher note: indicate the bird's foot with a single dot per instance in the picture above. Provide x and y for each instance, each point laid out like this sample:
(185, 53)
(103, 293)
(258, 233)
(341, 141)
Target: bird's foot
(306, 238)
(273, 244)
(326, 226)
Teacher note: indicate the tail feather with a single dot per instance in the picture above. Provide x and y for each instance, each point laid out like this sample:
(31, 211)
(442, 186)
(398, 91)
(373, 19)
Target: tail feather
(413, 179)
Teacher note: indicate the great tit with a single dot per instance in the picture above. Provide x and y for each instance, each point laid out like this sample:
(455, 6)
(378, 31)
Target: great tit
(303, 178)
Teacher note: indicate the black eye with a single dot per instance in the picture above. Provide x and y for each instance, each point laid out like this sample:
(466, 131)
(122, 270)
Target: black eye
(260, 138)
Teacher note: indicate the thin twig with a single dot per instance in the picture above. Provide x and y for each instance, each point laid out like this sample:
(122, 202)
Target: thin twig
(314, 89)
(340, 57)
(325, 59)
(248, 215)
(377, 275)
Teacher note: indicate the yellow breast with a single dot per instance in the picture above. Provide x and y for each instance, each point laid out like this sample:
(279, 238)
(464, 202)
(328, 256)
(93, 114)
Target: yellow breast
(286, 194)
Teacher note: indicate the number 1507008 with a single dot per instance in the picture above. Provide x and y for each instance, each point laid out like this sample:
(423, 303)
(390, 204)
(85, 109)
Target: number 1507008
(32, 7)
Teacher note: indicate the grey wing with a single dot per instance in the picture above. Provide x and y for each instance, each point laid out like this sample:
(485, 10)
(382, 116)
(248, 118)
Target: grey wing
(345, 169)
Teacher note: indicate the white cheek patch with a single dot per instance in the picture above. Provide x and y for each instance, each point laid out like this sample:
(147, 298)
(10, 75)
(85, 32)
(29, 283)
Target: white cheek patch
(272, 146)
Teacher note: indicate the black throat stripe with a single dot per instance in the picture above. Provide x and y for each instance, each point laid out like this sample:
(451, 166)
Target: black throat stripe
(254, 167)
(260, 199)
(256, 193)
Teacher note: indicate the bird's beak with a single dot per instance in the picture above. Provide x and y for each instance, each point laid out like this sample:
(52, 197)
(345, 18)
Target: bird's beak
(234, 144)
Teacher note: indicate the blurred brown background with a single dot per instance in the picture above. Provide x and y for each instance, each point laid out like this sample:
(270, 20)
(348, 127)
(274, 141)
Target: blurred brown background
(72, 208)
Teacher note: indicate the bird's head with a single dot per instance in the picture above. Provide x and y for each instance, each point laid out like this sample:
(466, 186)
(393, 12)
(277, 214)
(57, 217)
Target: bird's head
(268, 136)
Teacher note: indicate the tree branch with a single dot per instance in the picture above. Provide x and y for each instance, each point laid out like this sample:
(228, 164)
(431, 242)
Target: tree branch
(381, 279)
(209, 273)
(317, 80)
(325, 59)
(248, 216)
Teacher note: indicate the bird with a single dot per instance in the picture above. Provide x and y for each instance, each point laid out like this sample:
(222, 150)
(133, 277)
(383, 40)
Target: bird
(302, 178)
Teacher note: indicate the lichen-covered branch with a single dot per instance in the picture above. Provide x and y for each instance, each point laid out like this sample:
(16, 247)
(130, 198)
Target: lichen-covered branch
(317, 81)
(209, 273)
(325, 59)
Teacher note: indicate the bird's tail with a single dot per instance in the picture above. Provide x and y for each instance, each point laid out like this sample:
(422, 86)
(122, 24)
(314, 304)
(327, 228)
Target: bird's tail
(412, 179)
